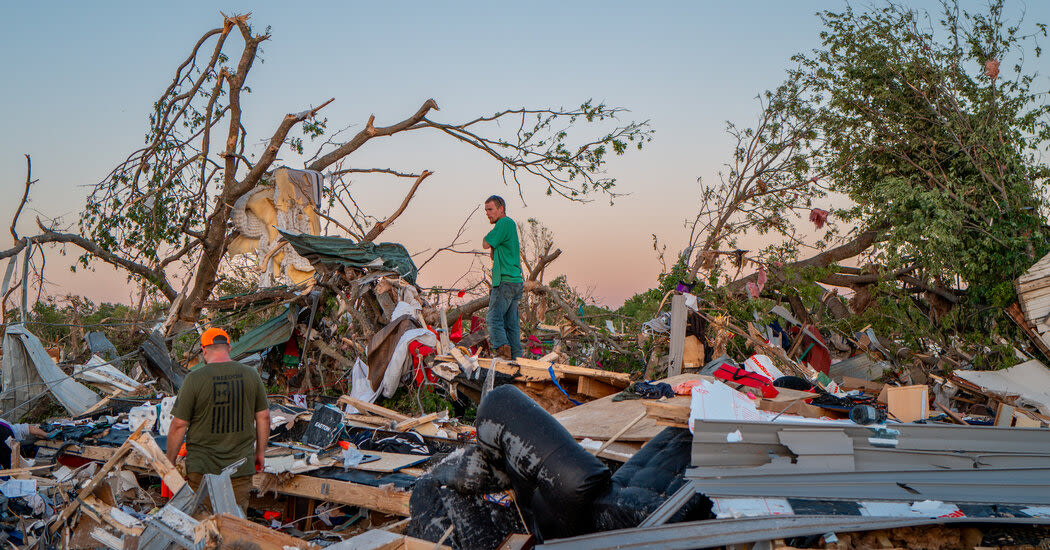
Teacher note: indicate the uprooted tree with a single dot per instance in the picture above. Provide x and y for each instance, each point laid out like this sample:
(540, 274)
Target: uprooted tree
(164, 211)
(921, 141)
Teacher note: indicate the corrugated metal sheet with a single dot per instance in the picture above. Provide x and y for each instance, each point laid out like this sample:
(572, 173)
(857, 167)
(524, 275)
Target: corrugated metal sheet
(28, 370)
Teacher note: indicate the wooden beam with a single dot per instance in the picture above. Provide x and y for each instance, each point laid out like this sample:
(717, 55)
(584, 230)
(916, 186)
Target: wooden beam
(413, 422)
(102, 512)
(226, 531)
(1014, 312)
(537, 371)
(371, 408)
(443, 337)
(115, 459)
(618, 379)
(102, 454)
(158, 460)
(387, 500)
(677, 346)
(622, 431)
(595, 388)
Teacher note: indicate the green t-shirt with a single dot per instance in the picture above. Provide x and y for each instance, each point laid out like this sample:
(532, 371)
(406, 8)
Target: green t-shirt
(506, 260)
(220, 400)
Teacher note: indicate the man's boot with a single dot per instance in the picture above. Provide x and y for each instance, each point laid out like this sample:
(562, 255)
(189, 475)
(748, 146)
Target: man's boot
(504, 352)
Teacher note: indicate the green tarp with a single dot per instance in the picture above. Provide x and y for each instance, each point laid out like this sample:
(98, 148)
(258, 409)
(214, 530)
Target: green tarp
(336, 251)
(272, 333)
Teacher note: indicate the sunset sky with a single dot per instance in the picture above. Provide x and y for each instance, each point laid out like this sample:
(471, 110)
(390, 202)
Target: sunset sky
(80, 79)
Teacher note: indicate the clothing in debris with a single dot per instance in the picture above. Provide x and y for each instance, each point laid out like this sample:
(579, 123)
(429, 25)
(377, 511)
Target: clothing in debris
(219, 401)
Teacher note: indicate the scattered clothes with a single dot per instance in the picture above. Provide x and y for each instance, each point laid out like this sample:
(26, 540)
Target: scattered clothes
(408, 443)
(685, 388)
(645, 390)
(651, 390)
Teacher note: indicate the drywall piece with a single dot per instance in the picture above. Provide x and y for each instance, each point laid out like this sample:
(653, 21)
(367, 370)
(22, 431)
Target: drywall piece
(1030, 381)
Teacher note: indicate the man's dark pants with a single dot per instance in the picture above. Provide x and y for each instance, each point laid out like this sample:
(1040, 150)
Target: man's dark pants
(502, 319)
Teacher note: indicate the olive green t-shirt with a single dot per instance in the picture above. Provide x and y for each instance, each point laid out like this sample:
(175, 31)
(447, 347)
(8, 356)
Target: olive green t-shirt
(506, 257)
(219, 400)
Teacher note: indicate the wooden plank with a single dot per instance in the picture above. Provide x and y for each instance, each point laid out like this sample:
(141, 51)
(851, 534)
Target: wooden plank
(104, 402)
(616, 379)
(677, 345)
(226, 531)
(15, 472)
(102, 513)
(602, 418)
(102, 454)
(595, 388)
(537, 371)
(371, 408)
(517, 541)
(665, 410)
(1022, 420)
(158, 459)
(955, 418)
(115, 459)
(443, 337)
(387, 500)
(623, 430)
(413, 422)
(1014, 312)
(390, 462)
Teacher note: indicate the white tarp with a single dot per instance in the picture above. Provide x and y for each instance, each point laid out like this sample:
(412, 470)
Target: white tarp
(28, 371)
(1030, 381)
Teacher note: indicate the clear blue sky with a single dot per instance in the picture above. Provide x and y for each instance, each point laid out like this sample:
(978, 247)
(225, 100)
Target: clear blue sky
(81, 77)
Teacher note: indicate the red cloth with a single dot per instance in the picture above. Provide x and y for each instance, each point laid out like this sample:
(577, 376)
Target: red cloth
(417, 351)
(747, 378)
(456, 332)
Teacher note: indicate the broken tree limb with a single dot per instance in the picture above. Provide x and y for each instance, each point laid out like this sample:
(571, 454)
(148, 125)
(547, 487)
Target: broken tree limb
(381, 226)
(570, 314)
(859, 244)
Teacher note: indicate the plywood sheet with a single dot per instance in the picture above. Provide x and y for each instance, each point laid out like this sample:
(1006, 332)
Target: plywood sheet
(390, 462)
(602, 418)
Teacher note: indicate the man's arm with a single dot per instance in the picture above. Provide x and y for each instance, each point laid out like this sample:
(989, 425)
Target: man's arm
(176, 434)
(262, 437)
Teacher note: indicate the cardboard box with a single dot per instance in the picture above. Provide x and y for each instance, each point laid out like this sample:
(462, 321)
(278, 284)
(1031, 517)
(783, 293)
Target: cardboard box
(908, 403)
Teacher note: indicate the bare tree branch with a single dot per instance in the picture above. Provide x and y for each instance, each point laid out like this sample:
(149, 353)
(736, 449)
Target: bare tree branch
(381, 226)
(25, 196)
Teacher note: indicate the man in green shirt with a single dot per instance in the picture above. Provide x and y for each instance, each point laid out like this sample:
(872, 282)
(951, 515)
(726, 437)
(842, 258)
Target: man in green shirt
(502, 319)
(223, 414)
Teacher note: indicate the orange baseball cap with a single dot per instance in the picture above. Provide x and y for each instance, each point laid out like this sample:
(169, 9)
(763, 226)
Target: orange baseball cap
(214, 335)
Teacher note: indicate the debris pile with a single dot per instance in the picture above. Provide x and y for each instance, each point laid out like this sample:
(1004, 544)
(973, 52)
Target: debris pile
(811, 439)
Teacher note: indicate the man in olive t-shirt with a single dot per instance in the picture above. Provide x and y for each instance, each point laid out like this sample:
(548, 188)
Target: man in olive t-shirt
(223, 414)
(502, 319)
